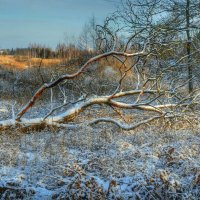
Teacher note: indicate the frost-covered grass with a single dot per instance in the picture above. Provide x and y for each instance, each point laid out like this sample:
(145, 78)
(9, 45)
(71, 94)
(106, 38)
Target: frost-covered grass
(102, 162)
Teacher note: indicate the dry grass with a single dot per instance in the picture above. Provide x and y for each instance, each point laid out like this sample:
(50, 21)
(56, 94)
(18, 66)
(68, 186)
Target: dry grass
(9, 61)
(103, 162)
(23, 62)
(156, 161)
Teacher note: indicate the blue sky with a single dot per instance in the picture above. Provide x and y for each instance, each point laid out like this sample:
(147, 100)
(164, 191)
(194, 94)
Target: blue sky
(47, 21)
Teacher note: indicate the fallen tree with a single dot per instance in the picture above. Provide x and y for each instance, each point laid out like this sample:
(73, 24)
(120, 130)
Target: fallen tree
(71, 113)
(147, 96)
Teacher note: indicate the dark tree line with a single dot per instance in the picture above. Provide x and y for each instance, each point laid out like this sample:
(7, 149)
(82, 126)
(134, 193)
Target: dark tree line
(62, 51)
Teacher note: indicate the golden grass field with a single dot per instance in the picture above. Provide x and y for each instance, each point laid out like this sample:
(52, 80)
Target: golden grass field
(23, 62)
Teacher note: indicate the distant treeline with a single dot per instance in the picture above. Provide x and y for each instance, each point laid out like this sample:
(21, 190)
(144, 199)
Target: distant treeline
(38, 51)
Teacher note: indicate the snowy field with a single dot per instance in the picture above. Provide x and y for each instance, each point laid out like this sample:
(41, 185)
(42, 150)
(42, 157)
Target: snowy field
(100, 162)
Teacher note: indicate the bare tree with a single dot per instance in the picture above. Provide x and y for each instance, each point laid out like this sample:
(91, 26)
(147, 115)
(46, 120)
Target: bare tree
(149, 96)
(182, 17)
(150, 51)
(169, 26)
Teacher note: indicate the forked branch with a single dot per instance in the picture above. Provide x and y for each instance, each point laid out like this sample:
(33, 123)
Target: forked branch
(72, 76)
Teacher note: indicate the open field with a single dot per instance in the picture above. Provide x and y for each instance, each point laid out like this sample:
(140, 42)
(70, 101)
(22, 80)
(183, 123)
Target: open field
(155, 161)
(23, 62)
(158, 160)
(102, 162)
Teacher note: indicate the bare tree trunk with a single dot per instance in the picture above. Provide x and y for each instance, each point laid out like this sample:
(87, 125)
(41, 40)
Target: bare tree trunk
(188, 46)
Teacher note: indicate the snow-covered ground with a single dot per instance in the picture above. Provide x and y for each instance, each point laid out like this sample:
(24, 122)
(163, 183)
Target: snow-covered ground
(100, 162)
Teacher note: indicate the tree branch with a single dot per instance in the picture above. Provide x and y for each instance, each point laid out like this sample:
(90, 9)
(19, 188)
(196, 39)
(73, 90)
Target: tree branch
(71, 76)
(125, 127)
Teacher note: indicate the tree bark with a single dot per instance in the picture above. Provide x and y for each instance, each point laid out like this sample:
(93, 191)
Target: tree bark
(188, 47)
